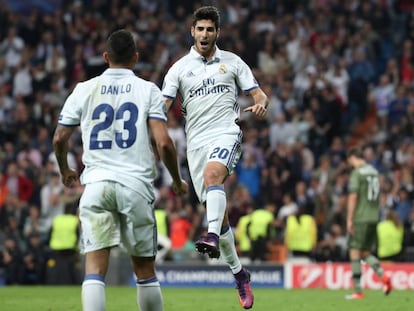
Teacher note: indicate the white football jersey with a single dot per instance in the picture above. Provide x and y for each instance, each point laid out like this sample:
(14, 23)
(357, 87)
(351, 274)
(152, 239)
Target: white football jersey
(112, 111)
(209, 90)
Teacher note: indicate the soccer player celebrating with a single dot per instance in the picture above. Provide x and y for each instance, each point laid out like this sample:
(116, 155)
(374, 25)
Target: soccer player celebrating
(362, 219)
(115, 111)
(207, 79)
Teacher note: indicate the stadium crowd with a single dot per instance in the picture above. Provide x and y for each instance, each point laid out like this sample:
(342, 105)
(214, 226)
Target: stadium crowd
(328, 66)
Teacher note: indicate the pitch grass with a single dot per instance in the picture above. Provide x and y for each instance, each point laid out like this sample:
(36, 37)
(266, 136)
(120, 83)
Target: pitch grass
(22, 298)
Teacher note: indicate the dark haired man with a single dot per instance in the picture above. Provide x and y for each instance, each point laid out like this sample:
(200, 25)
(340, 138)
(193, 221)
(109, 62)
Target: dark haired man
(362, 219)
(208, 79)
(115, 111)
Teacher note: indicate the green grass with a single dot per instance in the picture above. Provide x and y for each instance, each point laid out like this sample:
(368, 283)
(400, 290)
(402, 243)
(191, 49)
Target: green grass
(21, 298)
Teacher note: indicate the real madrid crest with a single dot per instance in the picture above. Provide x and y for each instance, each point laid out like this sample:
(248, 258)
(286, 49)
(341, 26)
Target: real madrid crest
(222, 68)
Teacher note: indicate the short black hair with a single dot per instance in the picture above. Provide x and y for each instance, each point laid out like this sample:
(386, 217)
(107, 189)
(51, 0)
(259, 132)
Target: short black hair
(209, 13)
(355, 151)
(121, 47)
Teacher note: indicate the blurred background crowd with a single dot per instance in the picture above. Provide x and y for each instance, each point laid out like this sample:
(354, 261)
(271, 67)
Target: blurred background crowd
(337, 73)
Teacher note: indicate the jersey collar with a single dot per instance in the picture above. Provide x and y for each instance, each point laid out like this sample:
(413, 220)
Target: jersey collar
(216, 56)
(118, 71)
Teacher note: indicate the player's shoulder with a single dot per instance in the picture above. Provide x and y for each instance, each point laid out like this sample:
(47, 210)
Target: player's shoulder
(367, 169)
(145, 82)
(85, 86)
(229, 56)
(181, 62)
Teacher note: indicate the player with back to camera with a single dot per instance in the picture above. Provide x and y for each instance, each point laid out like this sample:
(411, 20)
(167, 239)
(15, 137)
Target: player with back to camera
(362, 218)
(207, 79)
(115, 111)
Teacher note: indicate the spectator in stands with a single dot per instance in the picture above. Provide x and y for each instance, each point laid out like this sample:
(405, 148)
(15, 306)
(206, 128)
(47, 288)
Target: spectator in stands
(12, 47)
(403, 204)
(51, 199)
(325, 174)
(282, 131)
(31, 154)
(34, 260)
(381, 98)
(11, 260)
(303, 199)
(6, 106)
(398, 106)
(360, 42)
(17, 183)
(338, 76)
(306, 158)
(14, 215)
(34, 224)
(248, 173)
(288, 208)
(333, 247)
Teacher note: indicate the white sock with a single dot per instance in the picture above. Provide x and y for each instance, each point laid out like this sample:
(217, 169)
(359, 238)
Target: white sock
(228, 251)
(93, 294)
(149, 295)
(216, 207)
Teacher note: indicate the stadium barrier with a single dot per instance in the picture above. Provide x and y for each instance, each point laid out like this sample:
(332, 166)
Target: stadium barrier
(292, 274)
(339, 276)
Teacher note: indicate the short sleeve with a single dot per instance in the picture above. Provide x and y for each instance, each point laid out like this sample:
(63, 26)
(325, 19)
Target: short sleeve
(71, 111)
(171, 83)
(157, 108)
(245, 78)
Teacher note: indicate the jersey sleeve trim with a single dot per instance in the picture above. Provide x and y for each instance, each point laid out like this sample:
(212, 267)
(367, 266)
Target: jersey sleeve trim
(157, 118)
(167, 96)
(252, 88)
(68, 125)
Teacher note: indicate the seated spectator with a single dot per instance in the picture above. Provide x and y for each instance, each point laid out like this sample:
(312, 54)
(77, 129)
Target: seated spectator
(403, 204)
(34, 261)
(11, 260)
(333, 247)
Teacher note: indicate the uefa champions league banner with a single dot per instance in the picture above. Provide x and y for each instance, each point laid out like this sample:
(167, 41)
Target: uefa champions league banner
(216, 276)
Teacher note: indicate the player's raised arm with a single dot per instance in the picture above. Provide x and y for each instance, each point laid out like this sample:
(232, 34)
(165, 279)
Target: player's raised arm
(168, 154)
(261, 102)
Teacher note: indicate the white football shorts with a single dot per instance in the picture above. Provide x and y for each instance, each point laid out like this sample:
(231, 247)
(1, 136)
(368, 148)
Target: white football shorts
(226, 150)
(112, 214)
